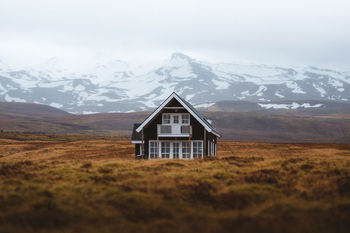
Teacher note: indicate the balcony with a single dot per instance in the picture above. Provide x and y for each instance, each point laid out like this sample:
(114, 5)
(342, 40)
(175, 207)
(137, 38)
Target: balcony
(174, 130)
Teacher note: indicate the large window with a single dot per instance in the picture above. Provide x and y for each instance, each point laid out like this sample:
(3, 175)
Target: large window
(166, 119)
(176, 150)
(197, 150)
(153, 150)
(165, 150)
(185, 150)
(185, 119)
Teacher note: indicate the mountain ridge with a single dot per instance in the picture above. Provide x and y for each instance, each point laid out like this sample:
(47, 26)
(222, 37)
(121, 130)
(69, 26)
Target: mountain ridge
(115, 86)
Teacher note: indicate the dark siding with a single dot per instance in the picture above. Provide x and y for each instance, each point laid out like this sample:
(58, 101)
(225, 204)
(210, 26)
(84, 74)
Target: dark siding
(210, 138)
(174, 103)
(137, 149)
(135, 135)
(150, 131)
(197, 129)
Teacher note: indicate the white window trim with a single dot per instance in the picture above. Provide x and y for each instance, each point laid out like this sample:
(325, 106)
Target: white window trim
(171, 148)
(189, 152)
(149, 149)
(215, 149)
(189, 119)
(212, 148)
(136, 142)
(172, 118)
(208, 149)
(192, 147)
(169, 119)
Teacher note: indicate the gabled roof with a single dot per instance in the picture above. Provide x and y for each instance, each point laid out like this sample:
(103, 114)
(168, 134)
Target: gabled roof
(214, 131)
(188, 107)
(136, 136)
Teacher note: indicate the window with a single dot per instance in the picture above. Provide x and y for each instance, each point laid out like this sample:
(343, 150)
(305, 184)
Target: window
(208, 148)
(197, 150)
(176, 150)
(185, 119)
(165, 150)
(166, 118)
(165, 129)
(185, 129)
(153, 150)
(176, 119)
(185, 150)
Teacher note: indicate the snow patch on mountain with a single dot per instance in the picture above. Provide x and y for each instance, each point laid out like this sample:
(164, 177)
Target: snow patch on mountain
(295, 87)
(14, 99)
(56, 105)
(335, 83)
(319, 89)
(221, 84)
(2, 89)
(279, 94)
(294, 105)
(206, 105)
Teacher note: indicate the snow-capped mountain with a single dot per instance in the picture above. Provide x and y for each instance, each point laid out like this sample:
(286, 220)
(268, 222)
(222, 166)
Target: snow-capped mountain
(116, 86)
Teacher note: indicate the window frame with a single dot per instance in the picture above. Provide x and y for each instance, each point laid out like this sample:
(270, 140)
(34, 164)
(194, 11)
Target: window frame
(178, 119)
(153, 150)
(163, 118)
(188, 119)
(197, 149)
(166, 154)
(178, 149)
(185, 155)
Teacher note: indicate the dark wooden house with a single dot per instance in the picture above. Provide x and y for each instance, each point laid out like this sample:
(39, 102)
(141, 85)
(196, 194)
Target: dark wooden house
(175, 130)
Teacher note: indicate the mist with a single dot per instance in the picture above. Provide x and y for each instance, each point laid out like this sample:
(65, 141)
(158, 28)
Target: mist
(296, 32)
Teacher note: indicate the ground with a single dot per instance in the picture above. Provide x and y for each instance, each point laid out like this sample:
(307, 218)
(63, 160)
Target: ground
(93, 184)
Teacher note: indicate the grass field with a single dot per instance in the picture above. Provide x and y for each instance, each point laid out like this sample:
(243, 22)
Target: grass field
(93, 184)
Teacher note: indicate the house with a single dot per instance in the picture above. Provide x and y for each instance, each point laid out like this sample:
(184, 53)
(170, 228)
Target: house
(175, 130)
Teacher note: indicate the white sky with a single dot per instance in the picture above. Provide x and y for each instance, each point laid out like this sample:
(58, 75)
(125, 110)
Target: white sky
(297, 32)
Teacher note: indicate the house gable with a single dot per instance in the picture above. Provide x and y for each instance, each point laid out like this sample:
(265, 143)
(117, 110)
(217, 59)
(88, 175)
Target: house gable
(151, 128)
(174, 101)
(136, 137)
(174, 104)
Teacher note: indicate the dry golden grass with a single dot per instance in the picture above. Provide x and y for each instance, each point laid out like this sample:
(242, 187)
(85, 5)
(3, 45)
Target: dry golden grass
(92, 184)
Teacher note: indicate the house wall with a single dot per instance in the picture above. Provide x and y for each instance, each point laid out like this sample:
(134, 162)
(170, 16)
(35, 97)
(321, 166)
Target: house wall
(137, 149)
(211, 141)
(150, 130)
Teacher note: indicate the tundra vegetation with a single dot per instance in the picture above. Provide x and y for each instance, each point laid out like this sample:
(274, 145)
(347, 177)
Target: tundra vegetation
(93, 184)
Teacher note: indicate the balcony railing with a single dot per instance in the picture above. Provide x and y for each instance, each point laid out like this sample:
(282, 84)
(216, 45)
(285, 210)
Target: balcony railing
(174, 130)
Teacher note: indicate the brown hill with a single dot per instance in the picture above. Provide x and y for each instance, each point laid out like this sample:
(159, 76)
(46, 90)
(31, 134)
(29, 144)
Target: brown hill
(30, 109)
(234, 126)
(281, 128)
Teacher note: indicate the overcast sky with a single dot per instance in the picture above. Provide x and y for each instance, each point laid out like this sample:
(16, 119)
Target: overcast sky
(296, 32)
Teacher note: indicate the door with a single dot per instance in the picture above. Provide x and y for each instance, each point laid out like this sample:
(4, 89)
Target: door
(176, 150)
(185, 150)
(165, 150)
